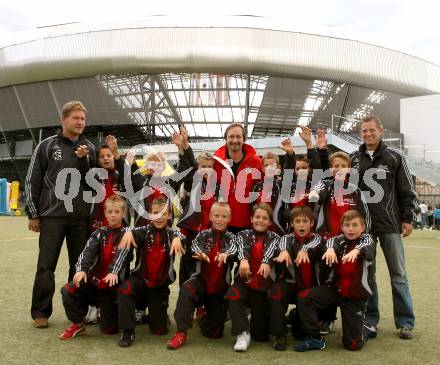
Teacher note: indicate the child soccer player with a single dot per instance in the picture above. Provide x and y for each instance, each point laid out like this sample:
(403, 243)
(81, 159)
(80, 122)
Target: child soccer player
(150, 280)
(300, 252)
(256, 248)
(269, 189)
(91, 283)
(351, 255)
(201, 190)
(336, 196)
(207, 287)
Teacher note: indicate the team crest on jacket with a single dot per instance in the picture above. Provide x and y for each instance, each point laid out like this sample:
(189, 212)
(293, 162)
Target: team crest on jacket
(57, 155)
(383, 168)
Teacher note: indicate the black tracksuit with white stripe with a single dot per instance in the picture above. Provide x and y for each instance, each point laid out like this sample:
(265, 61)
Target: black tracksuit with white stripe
(348, 286)
(59, 219)
(257, 248)
(95, 261)
(399, 200)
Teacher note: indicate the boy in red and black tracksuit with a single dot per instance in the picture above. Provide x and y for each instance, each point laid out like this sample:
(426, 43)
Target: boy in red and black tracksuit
(301, 253)
(256, 248)
(201, 191)
(149, 281)
(208, 285)
(90, 283)
(351, 254)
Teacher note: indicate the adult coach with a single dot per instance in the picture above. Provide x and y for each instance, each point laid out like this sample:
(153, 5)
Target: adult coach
(48, 214)
(239, 163)
(391, 217)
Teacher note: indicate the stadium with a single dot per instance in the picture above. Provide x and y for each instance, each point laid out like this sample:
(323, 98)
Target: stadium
(140, 82)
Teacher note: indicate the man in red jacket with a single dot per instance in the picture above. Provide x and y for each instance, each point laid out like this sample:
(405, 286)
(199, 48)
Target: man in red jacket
(238, 168)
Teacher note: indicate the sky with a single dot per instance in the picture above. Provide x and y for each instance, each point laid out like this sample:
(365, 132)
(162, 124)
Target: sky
(408, 26)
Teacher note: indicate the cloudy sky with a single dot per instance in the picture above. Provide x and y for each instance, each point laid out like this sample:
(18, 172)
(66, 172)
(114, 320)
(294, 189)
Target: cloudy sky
(408, 26)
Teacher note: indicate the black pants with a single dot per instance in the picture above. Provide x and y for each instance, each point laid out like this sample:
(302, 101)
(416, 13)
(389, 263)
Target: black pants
(192, 294)
(240, 298)
(352, 313)
(281, 294)
(52, 234)
(187, 265)
(76, 301)
(132, 294)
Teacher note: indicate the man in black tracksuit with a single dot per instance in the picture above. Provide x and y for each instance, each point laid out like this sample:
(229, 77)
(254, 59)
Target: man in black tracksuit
(54, 218)
(391, 217)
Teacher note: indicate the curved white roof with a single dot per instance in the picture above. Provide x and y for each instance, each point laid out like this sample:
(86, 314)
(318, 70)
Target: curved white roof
(162, 44)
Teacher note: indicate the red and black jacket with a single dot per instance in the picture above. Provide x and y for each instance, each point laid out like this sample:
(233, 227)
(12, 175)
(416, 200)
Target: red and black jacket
(307, 274)
(211, 242)
(258, 248)
(222, 166)
(353, 280)
(154, 264)
(99, 254)
(111, 185)
(330, 207)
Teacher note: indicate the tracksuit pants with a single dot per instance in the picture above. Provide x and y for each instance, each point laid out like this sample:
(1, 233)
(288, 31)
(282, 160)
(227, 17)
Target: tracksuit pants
(187, 265)
(352, 313)
(76, 301)
(134, 293)
(241, 297)
(52, 234)
(193, 294)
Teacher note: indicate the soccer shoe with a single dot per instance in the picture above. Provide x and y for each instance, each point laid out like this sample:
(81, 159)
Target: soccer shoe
(369, 331)
(405, 333)
(75, 329)
(327, 328)
(41, 322)
(200, 313)
(127, 338)
(310, 343)
(280, 343)
(93, 314)
(177, 341)
(243, 342)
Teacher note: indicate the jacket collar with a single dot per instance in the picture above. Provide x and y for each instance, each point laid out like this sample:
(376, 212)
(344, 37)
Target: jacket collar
(222, 152)
(379, 150)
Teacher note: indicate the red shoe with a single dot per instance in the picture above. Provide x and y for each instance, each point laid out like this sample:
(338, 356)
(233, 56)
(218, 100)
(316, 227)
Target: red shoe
(177, 341)
(75, 329)
(200, 313)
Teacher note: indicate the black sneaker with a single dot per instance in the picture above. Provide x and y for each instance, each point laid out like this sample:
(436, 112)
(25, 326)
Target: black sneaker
(405, 333)
(127, 338)
(327, 327)
(280, 343)
(369, 331)
(310, 343)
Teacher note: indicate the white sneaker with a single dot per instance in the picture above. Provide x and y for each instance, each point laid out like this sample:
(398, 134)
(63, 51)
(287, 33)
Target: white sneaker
(92, 316)
(243, 342)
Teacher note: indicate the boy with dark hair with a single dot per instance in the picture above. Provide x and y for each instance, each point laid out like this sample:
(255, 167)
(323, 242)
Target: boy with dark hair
(91, 283)
(209, 283)
(149, 281)
(350, 255)
(301, 251)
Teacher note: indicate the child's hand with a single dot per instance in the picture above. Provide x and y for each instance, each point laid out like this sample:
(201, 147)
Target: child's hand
(306, 136)
(112, 142)
(127, 241)
(330, 257)
(321, 140)
(286, 146)
(284, 257)
(313, 196)
(221, 259)
(130, 157)
(201, 256)
(81, 151)
(264, 270)
(177, 248)
(302, 258)
(351, 256)
(244, 269)
(111, 279)
(78, 277)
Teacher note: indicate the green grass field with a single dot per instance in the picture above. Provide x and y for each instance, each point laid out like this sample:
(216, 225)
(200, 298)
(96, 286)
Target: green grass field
(20, 343)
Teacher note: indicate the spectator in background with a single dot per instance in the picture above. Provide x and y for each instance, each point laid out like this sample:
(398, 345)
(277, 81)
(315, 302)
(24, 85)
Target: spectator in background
(430, 217)
(424, 214)
(437, 217)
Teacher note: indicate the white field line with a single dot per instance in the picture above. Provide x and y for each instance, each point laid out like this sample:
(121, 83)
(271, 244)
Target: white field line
(424, 247)
(19, 239)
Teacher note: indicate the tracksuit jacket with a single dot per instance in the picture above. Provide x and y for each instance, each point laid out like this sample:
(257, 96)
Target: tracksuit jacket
(399, 201)
(50, 157)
